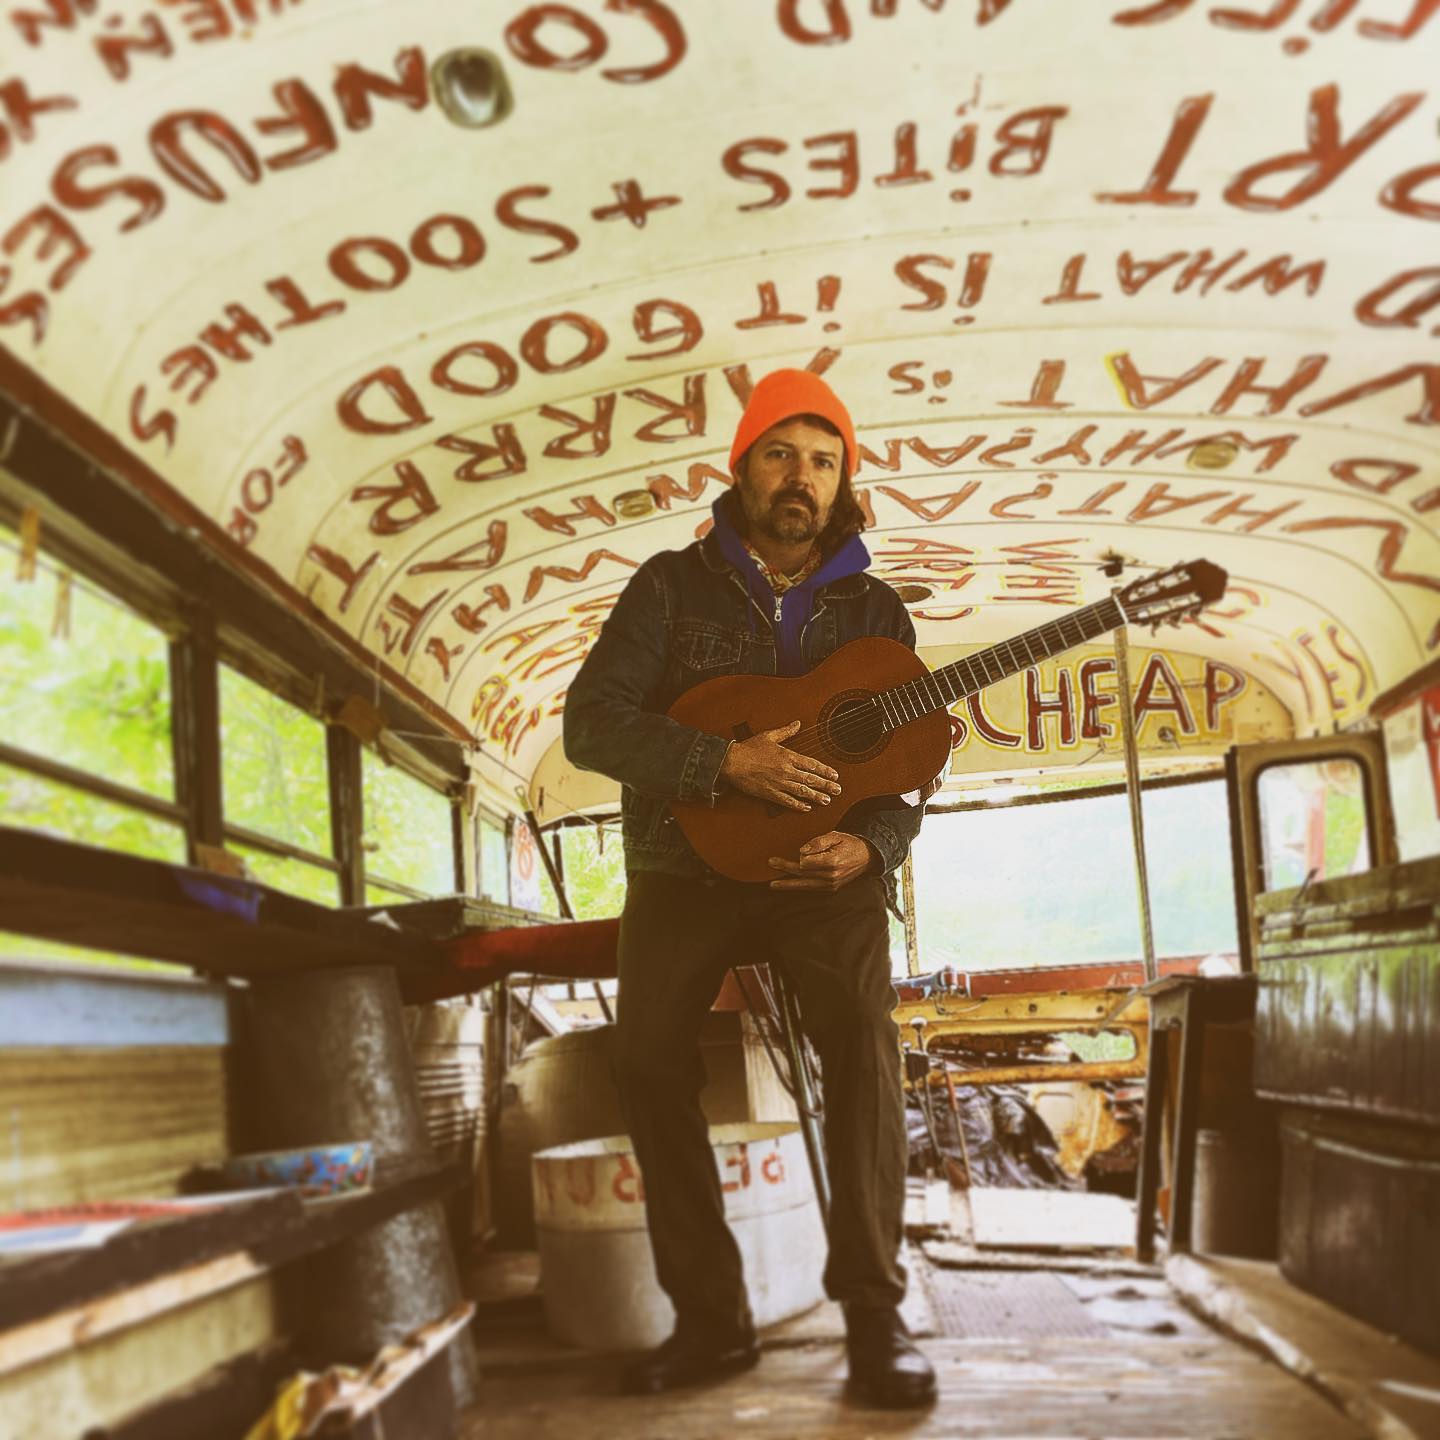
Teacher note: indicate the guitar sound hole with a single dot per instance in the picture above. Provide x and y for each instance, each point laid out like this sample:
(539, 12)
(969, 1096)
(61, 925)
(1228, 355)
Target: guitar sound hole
(853, 726)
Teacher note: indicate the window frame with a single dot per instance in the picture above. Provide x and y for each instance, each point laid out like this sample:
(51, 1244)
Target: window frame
(198, 646)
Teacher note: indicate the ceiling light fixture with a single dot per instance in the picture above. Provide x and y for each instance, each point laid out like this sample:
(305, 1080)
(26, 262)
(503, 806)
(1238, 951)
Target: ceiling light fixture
(1212, 455)
(634, 504)
(470, 87)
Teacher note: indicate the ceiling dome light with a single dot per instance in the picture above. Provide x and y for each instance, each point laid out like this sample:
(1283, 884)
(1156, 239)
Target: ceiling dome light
(470, 87)
(633, 504)
(1213, 455)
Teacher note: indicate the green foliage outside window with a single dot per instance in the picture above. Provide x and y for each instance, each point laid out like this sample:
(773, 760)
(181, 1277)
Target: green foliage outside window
(493, 856)
(32, 802)
(295, 877)
(382, 895)
(1044, 885)
(273, 766)
(594, 881)
(97, 699)
(94, 694)
(407, 829)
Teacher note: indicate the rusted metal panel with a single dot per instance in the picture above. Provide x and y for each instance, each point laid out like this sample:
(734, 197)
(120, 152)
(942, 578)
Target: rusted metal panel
(1387, 891)
(1041, 1071)
(1360, 1219)
(1349, 1012)
(1026, 1013)
(1082, 1117)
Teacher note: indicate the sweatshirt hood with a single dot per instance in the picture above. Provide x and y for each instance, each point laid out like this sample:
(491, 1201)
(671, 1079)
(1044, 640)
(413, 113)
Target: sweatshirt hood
(792, 609)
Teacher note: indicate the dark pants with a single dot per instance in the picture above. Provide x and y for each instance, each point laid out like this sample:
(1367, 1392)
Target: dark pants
(676, 939)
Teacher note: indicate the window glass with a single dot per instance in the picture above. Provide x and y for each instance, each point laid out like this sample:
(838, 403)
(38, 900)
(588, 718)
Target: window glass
(1105, 1048)
(83, 680)
(383, 895)
(1034, 885)
(899, 955)
(407, 829)
(30, 801)
(1312, 821)
(295, 877)
(1192, 879)
(530, 887)
(594, 871)
(493, 858)
(273, 765)
(549, 901)
(1043, 885)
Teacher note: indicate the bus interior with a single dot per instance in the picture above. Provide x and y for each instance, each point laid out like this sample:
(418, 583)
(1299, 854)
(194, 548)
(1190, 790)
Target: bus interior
(351, 363)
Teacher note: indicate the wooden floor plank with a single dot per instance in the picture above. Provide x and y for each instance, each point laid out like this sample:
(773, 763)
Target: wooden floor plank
(1060, 1389)
(1389, 1388)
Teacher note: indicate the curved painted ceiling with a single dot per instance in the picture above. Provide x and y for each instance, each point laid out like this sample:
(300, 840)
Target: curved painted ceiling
(1159, 280)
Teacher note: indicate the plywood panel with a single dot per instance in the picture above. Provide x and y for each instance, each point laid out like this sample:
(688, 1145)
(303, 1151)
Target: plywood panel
(61, 1398)
(90, 1124)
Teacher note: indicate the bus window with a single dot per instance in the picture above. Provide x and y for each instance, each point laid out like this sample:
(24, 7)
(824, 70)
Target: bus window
(409, 842)
(1314, 821)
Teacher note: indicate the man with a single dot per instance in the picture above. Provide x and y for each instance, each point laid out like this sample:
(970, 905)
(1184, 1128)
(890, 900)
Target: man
(777, 585)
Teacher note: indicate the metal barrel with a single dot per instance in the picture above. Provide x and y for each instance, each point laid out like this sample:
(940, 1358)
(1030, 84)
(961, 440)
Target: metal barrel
(328, 1060)
(597, 1271)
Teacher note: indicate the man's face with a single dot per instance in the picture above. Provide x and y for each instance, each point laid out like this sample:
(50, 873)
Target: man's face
(792, 474)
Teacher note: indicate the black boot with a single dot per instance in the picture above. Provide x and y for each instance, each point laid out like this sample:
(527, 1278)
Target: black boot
(687, 1358)
(885, 1367)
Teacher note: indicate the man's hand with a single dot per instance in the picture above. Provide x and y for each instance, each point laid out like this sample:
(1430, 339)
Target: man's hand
(826, 863)
(761, 766)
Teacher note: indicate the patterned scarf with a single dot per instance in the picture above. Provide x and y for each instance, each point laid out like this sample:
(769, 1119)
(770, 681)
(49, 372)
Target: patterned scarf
(780, 582)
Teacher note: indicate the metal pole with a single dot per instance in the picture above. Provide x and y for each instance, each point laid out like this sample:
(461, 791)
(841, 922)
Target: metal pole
(558, 881)
(912, 934)
(804, 1095)
(1132, 789)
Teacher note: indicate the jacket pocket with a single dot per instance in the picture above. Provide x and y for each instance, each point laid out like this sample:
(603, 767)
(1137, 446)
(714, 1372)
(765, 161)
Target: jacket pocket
(644, 819)
(703, 646)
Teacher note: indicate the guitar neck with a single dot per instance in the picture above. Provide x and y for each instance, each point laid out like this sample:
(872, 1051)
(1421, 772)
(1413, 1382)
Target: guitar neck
(942, 688)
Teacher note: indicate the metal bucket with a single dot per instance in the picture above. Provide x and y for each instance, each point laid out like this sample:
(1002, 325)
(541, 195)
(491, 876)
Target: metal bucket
(597, 1273)
(1237, 1193)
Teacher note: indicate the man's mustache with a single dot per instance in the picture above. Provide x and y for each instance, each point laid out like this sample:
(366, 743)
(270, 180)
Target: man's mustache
(798, 497)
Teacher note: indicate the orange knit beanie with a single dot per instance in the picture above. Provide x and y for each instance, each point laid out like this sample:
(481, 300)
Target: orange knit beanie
(786, 393)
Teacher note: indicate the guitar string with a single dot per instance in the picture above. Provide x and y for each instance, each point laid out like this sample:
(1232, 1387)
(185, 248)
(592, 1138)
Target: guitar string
(854, 724)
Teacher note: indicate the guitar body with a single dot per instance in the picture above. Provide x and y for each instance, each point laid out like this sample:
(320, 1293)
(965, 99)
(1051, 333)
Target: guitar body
(738, 834)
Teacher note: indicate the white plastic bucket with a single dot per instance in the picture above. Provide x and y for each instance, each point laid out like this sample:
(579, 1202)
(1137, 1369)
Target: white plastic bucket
(597, 1273)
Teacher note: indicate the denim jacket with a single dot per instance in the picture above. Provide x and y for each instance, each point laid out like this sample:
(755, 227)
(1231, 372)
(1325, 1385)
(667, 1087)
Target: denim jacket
(686, 616)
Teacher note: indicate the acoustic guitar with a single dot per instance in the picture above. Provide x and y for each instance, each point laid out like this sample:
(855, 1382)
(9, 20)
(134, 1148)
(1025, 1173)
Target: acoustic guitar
(875, 713)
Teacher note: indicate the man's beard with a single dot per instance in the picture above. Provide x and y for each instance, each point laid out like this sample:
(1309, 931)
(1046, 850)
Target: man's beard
(786, 525)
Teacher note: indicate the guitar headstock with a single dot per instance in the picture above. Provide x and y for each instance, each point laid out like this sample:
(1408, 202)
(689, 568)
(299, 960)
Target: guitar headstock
(1173, 594)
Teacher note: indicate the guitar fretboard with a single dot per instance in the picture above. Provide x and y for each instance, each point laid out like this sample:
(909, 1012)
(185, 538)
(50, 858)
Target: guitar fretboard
(942, 688)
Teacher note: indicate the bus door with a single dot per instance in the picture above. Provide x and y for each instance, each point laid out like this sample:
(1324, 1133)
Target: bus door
(1303, 811)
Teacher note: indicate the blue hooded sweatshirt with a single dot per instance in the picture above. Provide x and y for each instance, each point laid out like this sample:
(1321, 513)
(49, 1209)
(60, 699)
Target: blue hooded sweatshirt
(790, 611)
